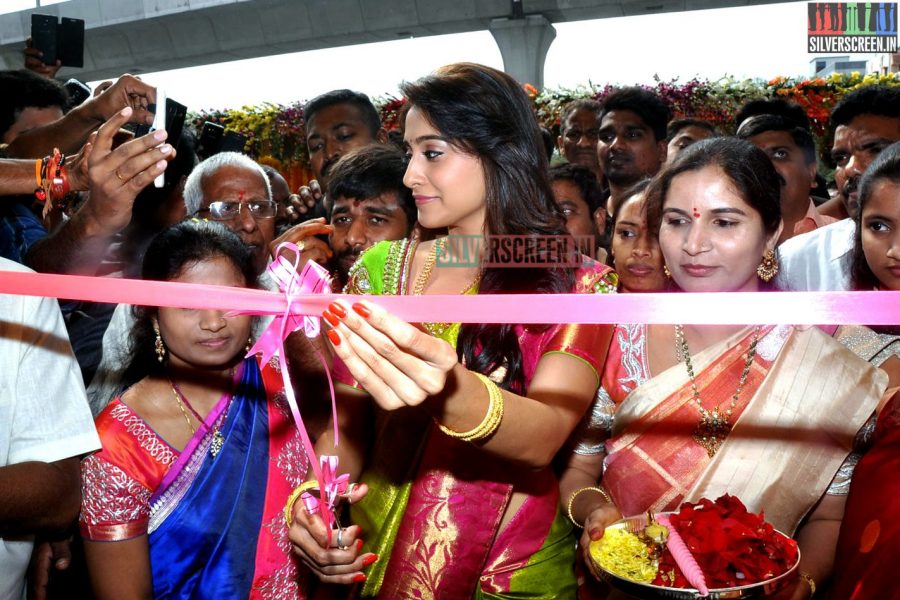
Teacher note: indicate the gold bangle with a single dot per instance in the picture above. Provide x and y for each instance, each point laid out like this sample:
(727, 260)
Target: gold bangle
(812, 582)
(574, 495)
(492, 418)
(292, 499)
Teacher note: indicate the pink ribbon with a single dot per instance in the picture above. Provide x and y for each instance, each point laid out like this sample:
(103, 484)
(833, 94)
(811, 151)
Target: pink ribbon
(312, 280)
(331, 486)
(770, 308)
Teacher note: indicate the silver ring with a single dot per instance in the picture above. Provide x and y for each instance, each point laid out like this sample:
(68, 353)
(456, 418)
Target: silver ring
(340, 539)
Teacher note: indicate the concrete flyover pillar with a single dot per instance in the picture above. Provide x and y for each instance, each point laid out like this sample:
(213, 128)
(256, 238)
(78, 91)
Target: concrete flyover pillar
(523, 44)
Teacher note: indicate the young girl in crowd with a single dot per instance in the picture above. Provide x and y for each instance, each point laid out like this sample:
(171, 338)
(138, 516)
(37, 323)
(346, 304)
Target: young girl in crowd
(638, 263)
(870, 534)
(458, 499)
(692, 426)
(185, 500)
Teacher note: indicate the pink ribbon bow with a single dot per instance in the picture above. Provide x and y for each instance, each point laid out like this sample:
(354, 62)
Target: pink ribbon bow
(330, 487)
(312, 279)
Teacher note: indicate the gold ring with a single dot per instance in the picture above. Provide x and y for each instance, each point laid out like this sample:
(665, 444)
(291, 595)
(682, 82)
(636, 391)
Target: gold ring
(300, 246)
(292, 499)
(119, 177)
(349, 493)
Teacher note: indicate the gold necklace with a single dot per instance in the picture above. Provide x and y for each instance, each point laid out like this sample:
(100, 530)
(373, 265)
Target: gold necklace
(183, 411)
(714, 426)
(437, 329)
(218, 439)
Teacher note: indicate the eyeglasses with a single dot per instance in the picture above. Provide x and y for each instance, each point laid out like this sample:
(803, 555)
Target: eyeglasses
(222, 210)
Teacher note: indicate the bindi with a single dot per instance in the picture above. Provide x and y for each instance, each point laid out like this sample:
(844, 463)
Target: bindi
(241, 195)
(696, 213)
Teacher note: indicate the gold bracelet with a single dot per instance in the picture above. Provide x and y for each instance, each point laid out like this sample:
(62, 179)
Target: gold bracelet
(492, 418)
(292, 499)
(812, 582)
(574, 495)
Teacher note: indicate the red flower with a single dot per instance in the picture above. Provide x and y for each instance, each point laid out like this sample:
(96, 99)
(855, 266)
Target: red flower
(732, 546)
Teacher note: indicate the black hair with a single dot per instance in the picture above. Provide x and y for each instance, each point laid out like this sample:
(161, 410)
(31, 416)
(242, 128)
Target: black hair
(580, 104)
(879, 100)
(486, 114)
(549, 142)
(757, 124)
(638, 188)
(170, 252)
(746, 166)
(369, 172)
(24, 89)
(749, 170)
(676, 125)
(357, 99)
(584, 179)
(886, 166)
(652, 110)
(789, 111)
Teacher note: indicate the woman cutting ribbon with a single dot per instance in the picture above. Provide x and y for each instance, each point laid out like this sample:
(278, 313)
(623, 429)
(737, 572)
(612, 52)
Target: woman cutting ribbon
(185, 500)
(457, 498)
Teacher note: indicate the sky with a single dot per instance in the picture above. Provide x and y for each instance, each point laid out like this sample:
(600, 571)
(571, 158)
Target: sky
(750, 41)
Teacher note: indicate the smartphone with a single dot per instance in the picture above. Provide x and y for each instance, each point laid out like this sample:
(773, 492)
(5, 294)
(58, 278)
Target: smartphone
(210, 139)
(176, 113)
(78, 92)
(233, 142)
(44, 36)
(70, 42)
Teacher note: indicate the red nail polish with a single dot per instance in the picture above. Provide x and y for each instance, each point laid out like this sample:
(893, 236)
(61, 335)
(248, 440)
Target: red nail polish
(334, 337)
(337, 309)
(359, 578)
(330, 318)
(362, 310)
(359, 545)
(369, 559)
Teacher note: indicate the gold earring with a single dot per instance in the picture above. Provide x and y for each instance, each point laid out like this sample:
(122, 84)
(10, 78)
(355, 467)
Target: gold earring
(249, 344)
(158, 344)
(666, 272)
(768, 268)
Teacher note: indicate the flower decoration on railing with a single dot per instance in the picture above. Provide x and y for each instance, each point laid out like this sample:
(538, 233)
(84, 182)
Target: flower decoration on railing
(276, 133)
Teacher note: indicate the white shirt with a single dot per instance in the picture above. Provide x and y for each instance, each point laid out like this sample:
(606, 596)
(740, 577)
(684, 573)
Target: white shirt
(818, 261)
(44, 414)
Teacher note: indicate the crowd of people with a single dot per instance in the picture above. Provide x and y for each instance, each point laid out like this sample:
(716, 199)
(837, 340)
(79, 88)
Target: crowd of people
(163, 460)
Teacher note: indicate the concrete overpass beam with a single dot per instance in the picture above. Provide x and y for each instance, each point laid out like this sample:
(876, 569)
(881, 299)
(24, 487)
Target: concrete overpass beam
(524, 44)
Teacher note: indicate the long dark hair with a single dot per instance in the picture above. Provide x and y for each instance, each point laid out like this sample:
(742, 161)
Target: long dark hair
(886, 166)
(485, 113)
(170, 252)
(747, 167)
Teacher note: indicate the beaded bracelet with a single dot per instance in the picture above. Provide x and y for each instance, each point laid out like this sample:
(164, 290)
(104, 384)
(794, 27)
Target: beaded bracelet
(491, 421)
(574, 495)
(51, 179)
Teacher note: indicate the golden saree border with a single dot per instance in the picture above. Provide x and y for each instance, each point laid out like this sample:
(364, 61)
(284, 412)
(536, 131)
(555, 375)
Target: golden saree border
(113, 532)
(653, 459)
(787, 446)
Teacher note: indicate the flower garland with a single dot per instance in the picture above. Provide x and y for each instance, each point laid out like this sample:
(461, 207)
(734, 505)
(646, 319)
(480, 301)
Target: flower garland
(276, 133)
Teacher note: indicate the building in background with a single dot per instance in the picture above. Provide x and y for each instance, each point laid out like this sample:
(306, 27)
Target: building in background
(882, 64)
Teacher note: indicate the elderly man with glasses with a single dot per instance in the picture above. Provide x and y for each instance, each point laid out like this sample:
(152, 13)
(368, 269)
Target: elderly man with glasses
(227, 187)
(232, 188)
